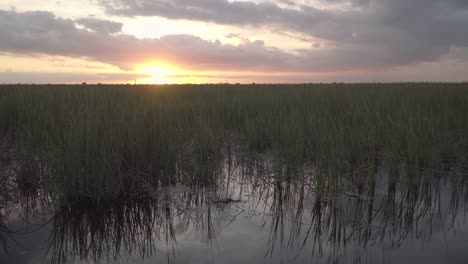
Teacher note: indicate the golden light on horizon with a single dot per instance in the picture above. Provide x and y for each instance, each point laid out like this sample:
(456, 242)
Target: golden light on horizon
(166, 73)
(159, 75)
(160, 72)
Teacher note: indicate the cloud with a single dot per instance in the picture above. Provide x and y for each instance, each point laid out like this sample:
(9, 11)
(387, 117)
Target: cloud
(100, 26)
(406, 31)
(67, 77)
(360, 3)
(38, 32)
(42, 33)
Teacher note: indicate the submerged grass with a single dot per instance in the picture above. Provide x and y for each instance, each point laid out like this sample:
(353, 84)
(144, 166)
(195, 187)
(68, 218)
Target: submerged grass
(110, 142)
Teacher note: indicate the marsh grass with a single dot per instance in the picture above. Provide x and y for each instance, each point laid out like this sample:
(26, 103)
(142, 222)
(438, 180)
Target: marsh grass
(331, 228)
(301, 210)
(116, 142)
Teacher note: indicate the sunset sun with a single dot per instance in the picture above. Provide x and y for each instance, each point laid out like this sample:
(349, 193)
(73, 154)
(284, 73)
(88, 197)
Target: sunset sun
(159, 73)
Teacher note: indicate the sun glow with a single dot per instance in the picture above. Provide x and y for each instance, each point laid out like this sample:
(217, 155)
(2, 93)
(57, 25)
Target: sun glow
(160, 73)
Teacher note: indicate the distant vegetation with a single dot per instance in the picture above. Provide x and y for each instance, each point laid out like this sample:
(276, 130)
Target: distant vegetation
(102, 143)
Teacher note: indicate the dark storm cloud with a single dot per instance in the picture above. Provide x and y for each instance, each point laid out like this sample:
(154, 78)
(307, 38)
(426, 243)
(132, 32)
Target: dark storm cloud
(402, 31)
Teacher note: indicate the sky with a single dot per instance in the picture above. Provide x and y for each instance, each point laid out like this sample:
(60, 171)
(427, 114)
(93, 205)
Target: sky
(213, 41)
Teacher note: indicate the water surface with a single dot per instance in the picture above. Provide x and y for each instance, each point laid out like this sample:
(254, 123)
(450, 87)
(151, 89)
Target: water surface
(258, 212)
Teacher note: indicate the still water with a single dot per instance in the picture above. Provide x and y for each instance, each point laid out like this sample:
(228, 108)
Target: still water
(257, 213)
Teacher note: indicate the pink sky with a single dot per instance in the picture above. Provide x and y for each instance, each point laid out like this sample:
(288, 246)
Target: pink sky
(180, 41)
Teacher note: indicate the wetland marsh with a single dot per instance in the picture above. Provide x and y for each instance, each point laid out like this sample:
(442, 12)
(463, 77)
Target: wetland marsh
(311, 173)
